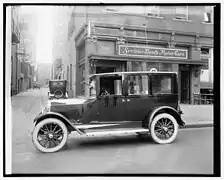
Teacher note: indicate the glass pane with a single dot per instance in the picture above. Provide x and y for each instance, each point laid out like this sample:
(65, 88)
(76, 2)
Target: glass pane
(165, 67)
(137, 66)
(152, 10)
(150, 65)
(138, 85)
(161, 84)
(181, 10)
(132, 9)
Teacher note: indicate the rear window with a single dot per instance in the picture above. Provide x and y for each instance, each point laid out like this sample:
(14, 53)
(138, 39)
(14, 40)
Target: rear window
(161, 84)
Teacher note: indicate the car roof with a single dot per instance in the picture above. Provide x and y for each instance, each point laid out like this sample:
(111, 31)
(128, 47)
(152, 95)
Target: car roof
(132, 72)
(59, 80)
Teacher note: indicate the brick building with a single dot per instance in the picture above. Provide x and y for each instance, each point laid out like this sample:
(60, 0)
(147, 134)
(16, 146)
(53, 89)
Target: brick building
(168, 38)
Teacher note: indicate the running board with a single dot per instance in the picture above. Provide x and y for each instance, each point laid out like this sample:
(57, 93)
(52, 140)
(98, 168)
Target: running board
(116, 131)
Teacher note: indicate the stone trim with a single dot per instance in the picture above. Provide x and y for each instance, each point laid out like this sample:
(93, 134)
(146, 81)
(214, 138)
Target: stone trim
(142, 28)
(121, 58)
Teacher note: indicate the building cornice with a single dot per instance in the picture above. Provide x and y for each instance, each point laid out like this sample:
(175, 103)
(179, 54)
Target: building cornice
(148, 59)
(142, 28)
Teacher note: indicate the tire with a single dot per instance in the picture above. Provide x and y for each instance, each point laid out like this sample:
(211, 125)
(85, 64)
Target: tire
(158, 130)
(48, 139)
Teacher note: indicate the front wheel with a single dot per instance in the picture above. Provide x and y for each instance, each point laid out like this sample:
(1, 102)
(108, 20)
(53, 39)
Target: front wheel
(164, 128)
(50, 135)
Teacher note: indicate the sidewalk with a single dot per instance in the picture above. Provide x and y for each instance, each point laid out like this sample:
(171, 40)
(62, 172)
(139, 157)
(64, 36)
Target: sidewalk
(197, 115)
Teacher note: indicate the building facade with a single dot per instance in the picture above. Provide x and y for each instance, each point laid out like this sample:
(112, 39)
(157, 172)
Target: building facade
(23, 56)
(167, 38)
(15, 63)
(60, 41)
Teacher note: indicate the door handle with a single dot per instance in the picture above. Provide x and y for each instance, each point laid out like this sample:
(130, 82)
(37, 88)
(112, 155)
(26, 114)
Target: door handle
(128, 100)
(123, 100)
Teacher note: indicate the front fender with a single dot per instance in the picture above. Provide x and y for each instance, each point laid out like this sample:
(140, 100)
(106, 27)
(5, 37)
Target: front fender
(64, 119)
(166, 109)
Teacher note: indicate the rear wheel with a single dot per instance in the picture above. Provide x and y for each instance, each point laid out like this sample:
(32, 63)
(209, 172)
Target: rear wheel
(50, 135)
(164, 128)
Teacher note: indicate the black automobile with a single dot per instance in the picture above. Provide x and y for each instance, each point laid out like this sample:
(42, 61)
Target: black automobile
(119, 102)
(57, 89)
(36, 85)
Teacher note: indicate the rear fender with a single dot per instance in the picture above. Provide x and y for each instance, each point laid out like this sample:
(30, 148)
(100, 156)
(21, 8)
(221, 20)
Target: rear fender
(59, 116)
(165, 109)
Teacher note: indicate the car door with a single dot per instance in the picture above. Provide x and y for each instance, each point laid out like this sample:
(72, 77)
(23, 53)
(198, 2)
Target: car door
(112, 107)
(139, 99)
(164, 89)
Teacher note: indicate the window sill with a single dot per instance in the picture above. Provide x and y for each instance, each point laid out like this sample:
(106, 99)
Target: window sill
(182, 20)
(156, 17)
(207, 23)
(131, 14)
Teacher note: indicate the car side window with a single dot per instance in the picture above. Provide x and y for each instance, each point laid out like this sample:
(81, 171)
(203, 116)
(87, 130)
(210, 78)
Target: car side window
(161, 84)
(111, 85)
(138, 85)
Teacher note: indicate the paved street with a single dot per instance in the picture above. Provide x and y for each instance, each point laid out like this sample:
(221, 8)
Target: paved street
(192, 152)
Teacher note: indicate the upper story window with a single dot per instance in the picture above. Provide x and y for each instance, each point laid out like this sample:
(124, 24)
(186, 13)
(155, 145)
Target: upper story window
(126, 9)
(112, 8)
(205, 53)
(152, 11)
(208, 14)
(181, 13)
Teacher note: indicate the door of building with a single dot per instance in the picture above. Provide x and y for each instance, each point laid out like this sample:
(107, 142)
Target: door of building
(185, 86)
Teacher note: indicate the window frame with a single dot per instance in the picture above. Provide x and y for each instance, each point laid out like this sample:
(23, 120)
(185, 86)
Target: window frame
(162, 75)
(148, 82)
(212, 15)
(156, 15)
(181, 18)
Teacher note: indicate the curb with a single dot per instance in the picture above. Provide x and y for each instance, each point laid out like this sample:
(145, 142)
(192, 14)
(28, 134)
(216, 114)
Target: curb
(201, 125)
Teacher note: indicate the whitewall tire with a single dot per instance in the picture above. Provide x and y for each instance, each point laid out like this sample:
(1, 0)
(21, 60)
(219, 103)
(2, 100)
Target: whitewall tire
(164, 128)
(50, 135)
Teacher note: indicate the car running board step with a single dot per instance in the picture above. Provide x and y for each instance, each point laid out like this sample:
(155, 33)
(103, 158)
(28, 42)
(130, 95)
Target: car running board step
(116, 131)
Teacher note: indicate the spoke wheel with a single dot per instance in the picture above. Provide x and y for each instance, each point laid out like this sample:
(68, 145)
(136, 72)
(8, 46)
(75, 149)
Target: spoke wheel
(164, 128)
(50, 135)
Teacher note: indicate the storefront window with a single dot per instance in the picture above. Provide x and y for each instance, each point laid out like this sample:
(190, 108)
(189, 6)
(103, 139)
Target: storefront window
(166, 67)
(137, 66)
(150, 65)
(204, 77)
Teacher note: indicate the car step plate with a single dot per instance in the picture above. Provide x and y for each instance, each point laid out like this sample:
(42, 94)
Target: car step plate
(116, 131)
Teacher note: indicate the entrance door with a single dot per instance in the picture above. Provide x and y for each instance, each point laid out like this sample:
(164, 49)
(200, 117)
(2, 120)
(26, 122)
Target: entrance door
(185, 86)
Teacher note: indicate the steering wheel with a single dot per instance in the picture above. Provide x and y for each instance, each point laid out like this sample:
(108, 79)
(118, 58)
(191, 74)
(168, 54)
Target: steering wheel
(104, 93)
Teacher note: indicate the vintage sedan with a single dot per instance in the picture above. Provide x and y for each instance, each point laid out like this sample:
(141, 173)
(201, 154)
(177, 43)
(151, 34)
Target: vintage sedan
(120, 102)
(57, 89)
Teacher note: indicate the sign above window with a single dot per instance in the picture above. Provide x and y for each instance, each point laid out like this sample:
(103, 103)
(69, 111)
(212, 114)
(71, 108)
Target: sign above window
(144, 51)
